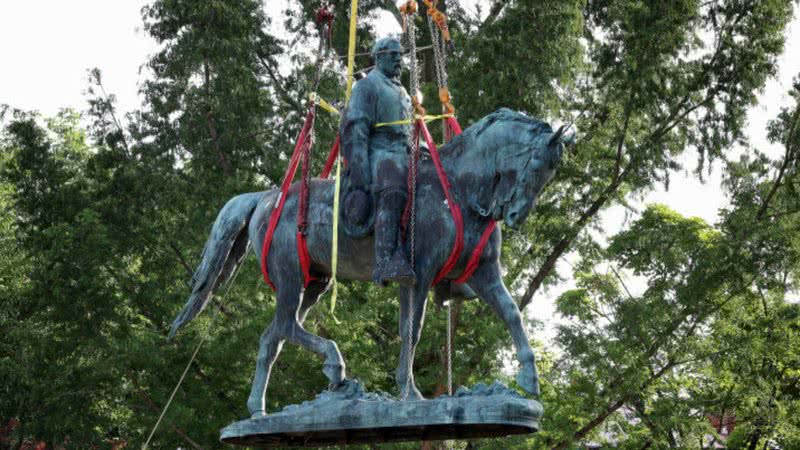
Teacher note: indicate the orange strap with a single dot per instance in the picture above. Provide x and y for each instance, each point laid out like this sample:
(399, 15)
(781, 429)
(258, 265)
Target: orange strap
(419, 110)
(439, 17)
(444, 97)
(406, 9)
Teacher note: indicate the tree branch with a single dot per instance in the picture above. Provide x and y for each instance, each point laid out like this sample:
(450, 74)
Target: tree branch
(566, 241)
(669, 123)
(180, 257)
(210, 123)
(95, 73)
(284, 93)
(494, 12)
(786, 160)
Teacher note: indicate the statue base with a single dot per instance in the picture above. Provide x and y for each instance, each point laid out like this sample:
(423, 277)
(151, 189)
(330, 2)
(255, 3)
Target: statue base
(348, 415)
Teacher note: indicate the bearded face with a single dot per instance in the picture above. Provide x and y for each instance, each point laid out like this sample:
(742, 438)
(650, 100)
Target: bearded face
(389, 59)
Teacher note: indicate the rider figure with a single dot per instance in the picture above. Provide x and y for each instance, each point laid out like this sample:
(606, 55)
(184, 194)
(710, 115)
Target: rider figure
(377, 156)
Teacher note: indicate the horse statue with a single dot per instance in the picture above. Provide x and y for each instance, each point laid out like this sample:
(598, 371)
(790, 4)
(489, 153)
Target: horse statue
(496, 167)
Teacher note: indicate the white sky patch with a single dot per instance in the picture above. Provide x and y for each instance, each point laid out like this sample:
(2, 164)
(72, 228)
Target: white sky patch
(47, 47)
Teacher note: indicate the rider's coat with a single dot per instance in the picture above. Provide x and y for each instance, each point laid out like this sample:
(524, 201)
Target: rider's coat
(379, 154)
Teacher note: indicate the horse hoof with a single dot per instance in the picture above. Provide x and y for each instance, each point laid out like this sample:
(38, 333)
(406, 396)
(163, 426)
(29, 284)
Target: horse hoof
(411, 395)
(334, 372)
(257, 414)
(528, 381)
(343, 385)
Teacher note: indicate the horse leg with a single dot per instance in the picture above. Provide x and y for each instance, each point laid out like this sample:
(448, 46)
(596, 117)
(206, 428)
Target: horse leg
(311, 295)
(410, 332)
(487, 282)
(271, 343)
(333, 367)
(270, 346)
(273, 338)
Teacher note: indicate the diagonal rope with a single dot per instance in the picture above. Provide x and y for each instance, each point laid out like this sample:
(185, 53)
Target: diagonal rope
(191, 360)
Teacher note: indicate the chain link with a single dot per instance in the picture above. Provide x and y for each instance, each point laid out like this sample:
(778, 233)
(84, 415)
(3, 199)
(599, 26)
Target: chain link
(411, 39)
(449, 349)
(439, 54)
(413, 67)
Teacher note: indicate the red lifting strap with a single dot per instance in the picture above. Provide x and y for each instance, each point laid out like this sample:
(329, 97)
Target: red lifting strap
(288, 176)
(326, 171)
(302, 151)
(302, 210)
(455, 211)
(458, 245)
(475, 258)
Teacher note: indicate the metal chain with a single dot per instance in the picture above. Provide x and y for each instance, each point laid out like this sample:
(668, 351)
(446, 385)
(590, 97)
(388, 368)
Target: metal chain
(440, 65)
(411, 39)
(414, 86)
(302, 213)
(413, 67)
(449, 349)
(438, 54)
(412, 219)
(322, 52)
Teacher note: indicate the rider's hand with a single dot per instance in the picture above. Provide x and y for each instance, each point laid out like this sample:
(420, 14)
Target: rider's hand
(358, 180)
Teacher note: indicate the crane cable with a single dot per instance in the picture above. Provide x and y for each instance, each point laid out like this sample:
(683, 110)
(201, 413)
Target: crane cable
(191, 360)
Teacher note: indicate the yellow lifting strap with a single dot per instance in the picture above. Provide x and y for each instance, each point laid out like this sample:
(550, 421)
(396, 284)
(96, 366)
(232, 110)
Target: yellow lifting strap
(351, 56)
(427, 118)
(323, 104)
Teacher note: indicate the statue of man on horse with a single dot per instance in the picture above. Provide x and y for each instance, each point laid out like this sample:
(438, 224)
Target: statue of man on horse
(496, 169)
(377, 158)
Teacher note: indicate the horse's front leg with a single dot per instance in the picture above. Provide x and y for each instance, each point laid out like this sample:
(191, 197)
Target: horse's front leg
(412, 316)
(487, 282)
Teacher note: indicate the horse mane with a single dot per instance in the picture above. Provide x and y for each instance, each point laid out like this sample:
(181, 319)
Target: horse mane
(511, 145)
(478, 129)
(507, 115)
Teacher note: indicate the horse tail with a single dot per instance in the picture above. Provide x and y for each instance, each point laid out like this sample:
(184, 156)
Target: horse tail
(224, 250)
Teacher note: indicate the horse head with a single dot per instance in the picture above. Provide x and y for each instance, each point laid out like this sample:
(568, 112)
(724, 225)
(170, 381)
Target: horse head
(520, 155)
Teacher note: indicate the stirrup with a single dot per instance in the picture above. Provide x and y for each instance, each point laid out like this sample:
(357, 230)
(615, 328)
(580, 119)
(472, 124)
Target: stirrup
(395, 269)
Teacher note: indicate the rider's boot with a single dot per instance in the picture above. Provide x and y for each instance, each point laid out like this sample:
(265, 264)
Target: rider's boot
(391, 263)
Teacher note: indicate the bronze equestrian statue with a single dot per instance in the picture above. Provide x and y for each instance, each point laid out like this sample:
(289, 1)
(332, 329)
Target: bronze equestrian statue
(497, 169)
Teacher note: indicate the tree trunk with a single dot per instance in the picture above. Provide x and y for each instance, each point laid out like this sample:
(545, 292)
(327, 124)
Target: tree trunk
(212, 127)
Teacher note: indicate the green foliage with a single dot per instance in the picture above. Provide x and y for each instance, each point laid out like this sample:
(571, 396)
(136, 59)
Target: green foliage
(107, 216)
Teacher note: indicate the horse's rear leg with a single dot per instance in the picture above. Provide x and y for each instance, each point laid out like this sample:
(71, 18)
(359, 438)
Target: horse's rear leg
(333, 367)
(268, 350)
(411, 298)
(488, 284)
(286, 313)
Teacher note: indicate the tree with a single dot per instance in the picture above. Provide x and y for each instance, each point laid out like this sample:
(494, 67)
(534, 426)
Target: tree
(107, 222)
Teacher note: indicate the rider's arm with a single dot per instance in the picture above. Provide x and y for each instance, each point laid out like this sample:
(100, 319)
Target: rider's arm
(356, 125)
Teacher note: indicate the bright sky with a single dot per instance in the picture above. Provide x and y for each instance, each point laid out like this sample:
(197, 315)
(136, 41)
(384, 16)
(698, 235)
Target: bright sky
(47, 47)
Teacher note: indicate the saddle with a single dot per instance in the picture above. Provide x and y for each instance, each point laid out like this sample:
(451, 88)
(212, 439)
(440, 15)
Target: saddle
(357, 214)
